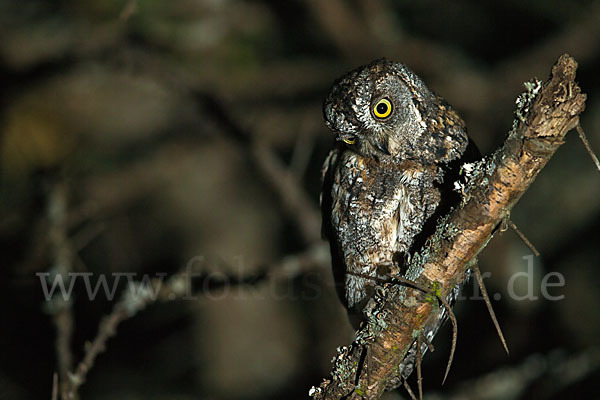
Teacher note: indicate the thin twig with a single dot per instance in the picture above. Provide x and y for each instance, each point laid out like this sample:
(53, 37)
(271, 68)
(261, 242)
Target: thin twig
(130, 8)
(454, 336)
(430, 346)
(583, 138)
(177, 287)
(488, 304)
(294, 198)
(107, 329)
(419, 358)
(62, 264)
(408, 389)
(87, 235)
(55, 386)
(295, 201)
(523, 237)
(551, 373)
(136, 297)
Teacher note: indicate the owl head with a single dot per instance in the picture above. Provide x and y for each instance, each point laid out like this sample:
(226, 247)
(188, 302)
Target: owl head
(383, 110)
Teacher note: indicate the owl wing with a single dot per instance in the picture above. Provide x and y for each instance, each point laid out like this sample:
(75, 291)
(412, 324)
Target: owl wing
(327, 232)
(360, 216)
(326, 201)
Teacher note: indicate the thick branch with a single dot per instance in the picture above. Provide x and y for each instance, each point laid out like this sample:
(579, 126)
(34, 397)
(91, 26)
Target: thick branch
(545, 114)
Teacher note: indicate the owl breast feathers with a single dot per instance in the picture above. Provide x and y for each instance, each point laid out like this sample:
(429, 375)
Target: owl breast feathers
(390, 176)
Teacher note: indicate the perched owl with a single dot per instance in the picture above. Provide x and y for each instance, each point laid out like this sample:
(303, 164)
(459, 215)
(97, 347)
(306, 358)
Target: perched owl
(390, 176)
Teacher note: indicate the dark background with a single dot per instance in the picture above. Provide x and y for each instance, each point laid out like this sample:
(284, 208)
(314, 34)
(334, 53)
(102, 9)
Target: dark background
(150, 114)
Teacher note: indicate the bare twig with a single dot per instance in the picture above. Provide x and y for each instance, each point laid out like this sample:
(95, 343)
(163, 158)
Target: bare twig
(62, 264)
(409, 390)
(488, 304)
(587, 146)
(454, 322)
(142, 294)
(130, 8)
(134, 299)
(544, 116)
(523, 237)
(63, 322)
(303, 148)
(549, 373)
(419, 358)
(55, 386)
(344, 27)
(106, 330)
(430, 346)
(203, 279)
(295, 201)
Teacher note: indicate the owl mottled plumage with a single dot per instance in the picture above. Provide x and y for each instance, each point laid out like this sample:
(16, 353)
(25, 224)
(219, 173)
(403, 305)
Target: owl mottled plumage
(389, 178)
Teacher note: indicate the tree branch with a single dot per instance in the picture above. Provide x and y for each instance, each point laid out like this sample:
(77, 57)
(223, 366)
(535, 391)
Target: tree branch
(545, 113)
(183, 285)
(62, 264)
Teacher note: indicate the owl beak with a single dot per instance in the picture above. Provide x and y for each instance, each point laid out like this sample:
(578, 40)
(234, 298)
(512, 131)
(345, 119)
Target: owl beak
(346, 138)
(383, 147)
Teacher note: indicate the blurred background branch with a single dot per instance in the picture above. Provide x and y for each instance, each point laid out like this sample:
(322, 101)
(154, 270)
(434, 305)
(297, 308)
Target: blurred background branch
(188, 130)
(62, 256)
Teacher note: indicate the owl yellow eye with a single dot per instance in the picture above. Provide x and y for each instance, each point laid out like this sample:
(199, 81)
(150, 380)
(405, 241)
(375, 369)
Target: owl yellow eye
(349, 140)
(382, 109)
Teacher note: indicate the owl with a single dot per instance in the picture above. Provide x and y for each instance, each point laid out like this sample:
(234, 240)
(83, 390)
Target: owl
(389, 177)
